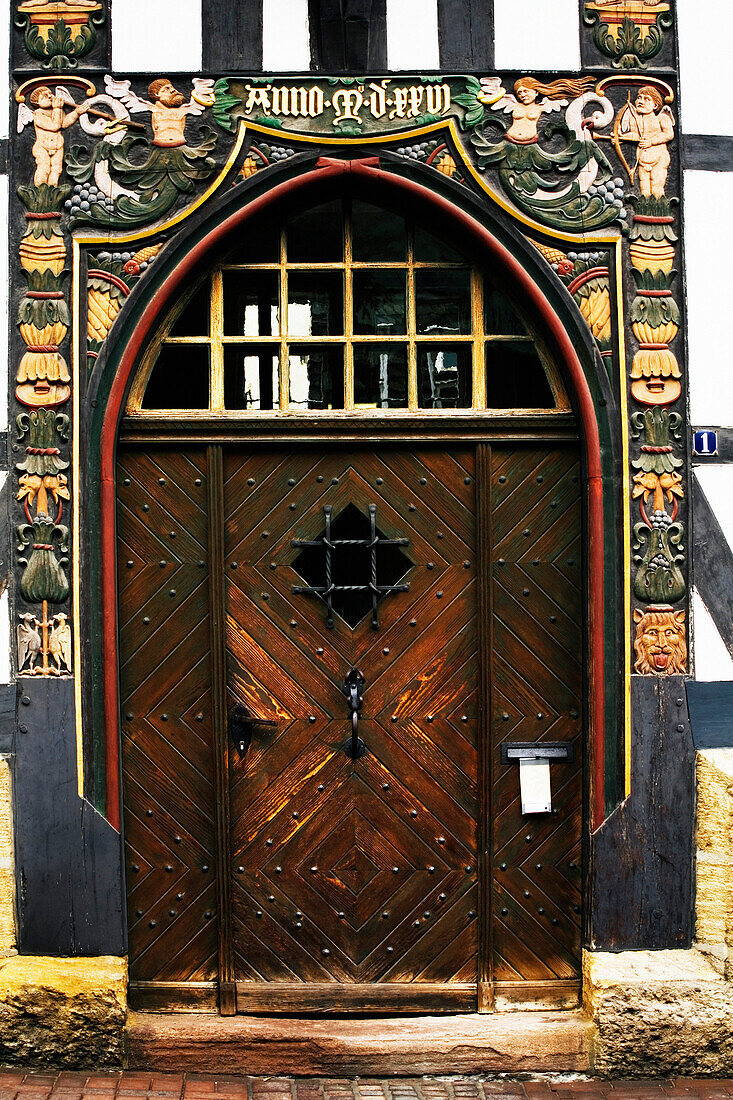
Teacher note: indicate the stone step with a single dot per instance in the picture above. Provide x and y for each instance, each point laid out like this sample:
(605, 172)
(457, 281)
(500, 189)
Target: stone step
(517, 1042)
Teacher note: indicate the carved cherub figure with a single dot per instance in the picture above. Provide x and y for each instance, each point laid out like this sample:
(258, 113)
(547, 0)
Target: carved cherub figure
(58, 5)
(650, 123)
(50, 120)
(168, 108)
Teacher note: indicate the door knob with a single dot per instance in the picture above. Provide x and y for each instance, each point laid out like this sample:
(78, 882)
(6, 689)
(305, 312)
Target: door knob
(241, 724)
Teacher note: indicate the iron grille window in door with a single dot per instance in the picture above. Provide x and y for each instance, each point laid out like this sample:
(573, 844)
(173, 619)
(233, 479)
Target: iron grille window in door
(346, 307)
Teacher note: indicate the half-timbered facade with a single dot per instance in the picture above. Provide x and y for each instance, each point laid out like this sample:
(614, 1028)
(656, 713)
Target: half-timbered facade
(352, 475)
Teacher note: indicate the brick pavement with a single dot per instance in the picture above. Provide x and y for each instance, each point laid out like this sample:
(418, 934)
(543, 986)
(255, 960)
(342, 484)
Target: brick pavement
(17, 1085)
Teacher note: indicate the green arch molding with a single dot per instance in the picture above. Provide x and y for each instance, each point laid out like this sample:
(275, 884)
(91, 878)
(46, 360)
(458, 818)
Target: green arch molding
(195, 247)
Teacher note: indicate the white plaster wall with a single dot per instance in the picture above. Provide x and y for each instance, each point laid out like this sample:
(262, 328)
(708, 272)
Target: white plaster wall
(708, 242)
(412, 34)
(285, 36)
(711, 659)
(537, 34)
(156, 36)
(705, 28)
(5, 72)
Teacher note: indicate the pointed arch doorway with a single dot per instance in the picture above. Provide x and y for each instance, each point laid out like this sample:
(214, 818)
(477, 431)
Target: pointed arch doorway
(373, 500)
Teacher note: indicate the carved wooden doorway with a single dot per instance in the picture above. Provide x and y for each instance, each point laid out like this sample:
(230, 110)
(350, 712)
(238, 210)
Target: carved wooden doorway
(366, 851)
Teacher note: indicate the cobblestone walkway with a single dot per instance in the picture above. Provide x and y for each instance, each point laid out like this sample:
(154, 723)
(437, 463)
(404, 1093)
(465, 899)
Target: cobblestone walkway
(176, 1086)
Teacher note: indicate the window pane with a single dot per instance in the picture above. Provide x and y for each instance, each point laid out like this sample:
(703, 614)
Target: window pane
(443, 302)
(315, 303)
(179, 379)
(380, 376)
(251, 303)
(194, 318)
(260, 246)
(379, 303)
(314, 237)
(444, 376)
(430, 249)
(515, 377)
(377, 234)
(316, 378)
(251, 379)
(500, 316)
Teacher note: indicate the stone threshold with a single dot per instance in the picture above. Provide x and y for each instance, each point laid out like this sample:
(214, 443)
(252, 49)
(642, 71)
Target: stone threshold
(521, 1042)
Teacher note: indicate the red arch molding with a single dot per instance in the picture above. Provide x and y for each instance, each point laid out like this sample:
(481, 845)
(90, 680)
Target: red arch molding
(327, 168)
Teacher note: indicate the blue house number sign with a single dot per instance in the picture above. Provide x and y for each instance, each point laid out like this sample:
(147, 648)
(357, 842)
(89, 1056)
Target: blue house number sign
(705, 443)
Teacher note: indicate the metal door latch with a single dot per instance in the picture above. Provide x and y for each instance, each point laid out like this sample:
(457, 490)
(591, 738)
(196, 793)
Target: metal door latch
(353, 689)
(241, 724)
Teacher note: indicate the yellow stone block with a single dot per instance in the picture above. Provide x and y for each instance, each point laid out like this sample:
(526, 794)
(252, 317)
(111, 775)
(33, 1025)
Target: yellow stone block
(7, 880)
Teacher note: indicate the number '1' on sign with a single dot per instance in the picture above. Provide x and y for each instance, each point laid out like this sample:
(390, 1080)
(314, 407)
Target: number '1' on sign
(705, 443)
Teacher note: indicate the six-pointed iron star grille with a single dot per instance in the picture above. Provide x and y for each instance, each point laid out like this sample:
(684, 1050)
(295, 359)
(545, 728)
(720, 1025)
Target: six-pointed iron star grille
(329, 588)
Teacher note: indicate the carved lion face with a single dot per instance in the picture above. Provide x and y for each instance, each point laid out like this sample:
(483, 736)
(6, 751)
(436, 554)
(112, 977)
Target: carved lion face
(659, 645)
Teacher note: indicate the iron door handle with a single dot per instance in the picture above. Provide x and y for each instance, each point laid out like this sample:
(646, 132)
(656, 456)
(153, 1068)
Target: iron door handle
(241, 725)
(353, 689)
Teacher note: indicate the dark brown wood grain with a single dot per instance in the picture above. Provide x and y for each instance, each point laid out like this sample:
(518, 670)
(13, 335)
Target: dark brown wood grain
(536, 604)
(349, 875)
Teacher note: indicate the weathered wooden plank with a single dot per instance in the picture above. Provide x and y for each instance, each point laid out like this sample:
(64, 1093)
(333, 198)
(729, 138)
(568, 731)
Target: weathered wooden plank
(68, 858)
(348, 35)
(432, 997)
(8, 708)
(711, 706)
(511, 1042)
(232, 35)
(466, 34)
(642, 855)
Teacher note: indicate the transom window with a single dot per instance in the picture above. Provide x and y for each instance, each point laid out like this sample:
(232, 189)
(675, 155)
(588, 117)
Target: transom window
(351, 307)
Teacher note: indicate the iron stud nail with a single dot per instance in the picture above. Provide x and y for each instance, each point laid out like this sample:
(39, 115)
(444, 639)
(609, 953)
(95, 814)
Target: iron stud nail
(293, 622)
(146, 620)
(536, 561)
(502, 866)
(278, 870)
(423, 481)
(526, 893)
(339, 914)
(442, 897)
(198, 481)
(472, 913)
(541, 911)
(265, 535)
(679, 702)
(571, 865)
(23, 729)
(505, 717)
(296, 814)
(136, 867)
(385, 786)
(504, 912)
(427, 914)
(528, 838)
(151, 924)
(390, 950)
(201, 564)
(468, 869)
(385, 914)
(127, 481)
(526, 532)
(273, 565)
(240, 870)
(395, 870)
(320, 477)
(385, 651)
(540, 716)
(325, 951)
(380, 481)
(268, 842)
(168, 868)
(413, 813)
(179, 897)
(205, 867)
(270, 897)
(298, 924)
(129, 717)
(431, 870)
(162, 563)
(146, 507)
(321, 787)
(429, 718)
(573, 714)
(291, 481)
(250, 481)
(130, 564)
(440, 535)
(298, 914)
(411, 507)
(439, 594)
(441, 840)
(464, 717)
(138, 912)
(164, 717)
(199, 717)
(576, 908)
(555, 920)
(258, 914)
(319, 651)
(501, 561)
(553, 618)
(413, 622)
(176, 840)
(311, 717)
(680, 728)
(265, 596)
(416, 924)
(431, 565)
(171, 912)
(538, 867)
(292, 507)
(502, 479)
(314, 870)
(525, 591)
(149, 813)
(334, 481)
(172, 593)
(466, 481)
(161, 481)
(466, 565)
(553, 504)
(171, 534)
(208, 914)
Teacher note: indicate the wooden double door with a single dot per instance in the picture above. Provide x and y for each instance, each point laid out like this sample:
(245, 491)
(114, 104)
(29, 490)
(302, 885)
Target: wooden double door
(322, 651)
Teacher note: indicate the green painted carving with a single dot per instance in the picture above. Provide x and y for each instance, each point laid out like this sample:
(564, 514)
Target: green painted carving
(43, 457)
(657, 454)
(43, 577)
(157, 175)
(654, 305)
(631, 46)
(64, 44)
(659, 554)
